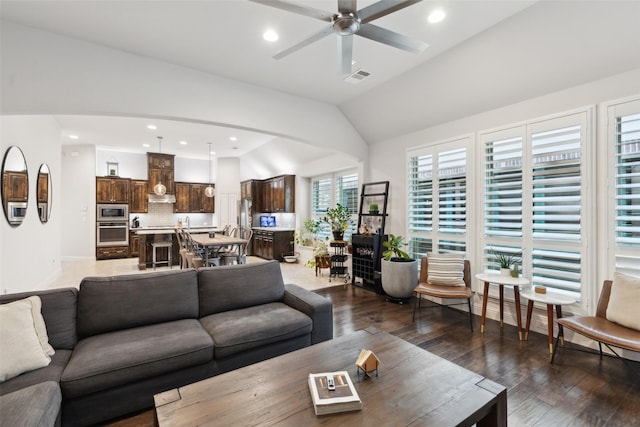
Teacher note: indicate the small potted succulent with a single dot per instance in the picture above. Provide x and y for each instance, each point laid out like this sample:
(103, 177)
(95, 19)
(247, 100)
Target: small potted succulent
(373, 209)
(507, 262)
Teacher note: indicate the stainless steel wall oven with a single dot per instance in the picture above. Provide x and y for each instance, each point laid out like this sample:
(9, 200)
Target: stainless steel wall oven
(112, 233)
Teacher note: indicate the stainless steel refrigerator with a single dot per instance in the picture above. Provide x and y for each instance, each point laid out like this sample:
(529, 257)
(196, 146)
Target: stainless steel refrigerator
(246, 219)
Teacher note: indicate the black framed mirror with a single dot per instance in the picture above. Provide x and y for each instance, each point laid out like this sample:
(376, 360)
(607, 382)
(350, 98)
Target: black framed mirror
(44, 193)
(15, 186)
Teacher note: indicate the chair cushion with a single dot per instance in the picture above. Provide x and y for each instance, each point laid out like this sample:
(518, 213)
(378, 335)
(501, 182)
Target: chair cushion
(623, 302)
(21, 349)
(443, 291)
(445, 269)
(244, 329)
(116, 358)
(603, 330)
(36, 405)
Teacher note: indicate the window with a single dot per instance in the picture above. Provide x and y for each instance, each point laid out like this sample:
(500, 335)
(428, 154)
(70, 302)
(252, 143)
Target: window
(535, 199)
(437, 186)
(624, 143)
(328, 191)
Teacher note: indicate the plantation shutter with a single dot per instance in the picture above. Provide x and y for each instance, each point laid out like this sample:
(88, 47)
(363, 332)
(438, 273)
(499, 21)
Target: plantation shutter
(626, 120)
(347, 195)
(421, 193)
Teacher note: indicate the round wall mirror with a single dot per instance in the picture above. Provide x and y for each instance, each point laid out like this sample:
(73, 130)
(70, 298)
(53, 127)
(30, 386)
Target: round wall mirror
(15, 186)
(44, 193)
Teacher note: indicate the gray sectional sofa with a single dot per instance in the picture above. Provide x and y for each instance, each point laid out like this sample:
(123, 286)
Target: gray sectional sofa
(119, 340)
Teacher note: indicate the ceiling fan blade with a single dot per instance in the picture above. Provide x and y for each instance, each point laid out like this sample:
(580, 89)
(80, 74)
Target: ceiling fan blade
(313, 38)
(391, 38)
(296, 8)
(347, 6)
(382, 8)
(345, 53)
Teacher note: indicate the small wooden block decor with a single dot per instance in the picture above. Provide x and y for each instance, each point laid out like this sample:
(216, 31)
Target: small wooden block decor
(540, 290)
(368, 362)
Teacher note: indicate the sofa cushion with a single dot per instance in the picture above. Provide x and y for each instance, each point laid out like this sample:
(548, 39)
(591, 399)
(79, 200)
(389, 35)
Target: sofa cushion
(59, 307)
(108, 304)
(248, 328)
(36, 405)
(51, 372)
(116, 358)
(21, 350)
(239, 286)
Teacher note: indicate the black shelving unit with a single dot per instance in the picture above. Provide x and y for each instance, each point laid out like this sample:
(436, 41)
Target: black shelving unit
(367, 248)
(338, 260)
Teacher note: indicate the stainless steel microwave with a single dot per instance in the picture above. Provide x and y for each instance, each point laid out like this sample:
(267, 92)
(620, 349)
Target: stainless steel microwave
(112, 213)
(16, 211)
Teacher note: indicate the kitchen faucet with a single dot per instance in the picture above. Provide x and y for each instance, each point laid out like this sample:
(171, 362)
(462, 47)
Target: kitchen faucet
(186, 218)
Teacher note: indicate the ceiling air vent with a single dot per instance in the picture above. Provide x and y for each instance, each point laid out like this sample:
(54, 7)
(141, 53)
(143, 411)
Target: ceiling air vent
(357, 76)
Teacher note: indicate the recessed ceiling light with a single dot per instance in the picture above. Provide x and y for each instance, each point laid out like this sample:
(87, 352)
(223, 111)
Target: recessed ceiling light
(270, 36)
(73, 136)
(146, 145)
(436, 16)
(233, 138)
(152, 127)
(183, 142)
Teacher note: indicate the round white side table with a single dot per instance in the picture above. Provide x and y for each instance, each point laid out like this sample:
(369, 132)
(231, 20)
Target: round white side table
(501, 281)
(550, 299)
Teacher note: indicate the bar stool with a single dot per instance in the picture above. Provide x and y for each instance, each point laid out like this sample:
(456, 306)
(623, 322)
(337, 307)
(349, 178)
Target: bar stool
(160, 242)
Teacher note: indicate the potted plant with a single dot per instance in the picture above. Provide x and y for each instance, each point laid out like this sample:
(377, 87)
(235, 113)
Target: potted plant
(338, 219)
(507, 263)
(399, 271)
(373, 208)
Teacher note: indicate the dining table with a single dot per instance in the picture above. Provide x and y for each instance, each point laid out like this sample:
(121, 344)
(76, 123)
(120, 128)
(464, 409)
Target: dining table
(213, 244)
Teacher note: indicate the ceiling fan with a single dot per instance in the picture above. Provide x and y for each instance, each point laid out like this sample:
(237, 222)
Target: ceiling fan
(349, 22)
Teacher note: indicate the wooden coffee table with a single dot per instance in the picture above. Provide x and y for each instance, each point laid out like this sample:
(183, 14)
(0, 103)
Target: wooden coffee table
(414, 387)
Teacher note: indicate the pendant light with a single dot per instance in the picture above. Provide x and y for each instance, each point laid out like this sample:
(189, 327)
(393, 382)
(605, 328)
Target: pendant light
(159, 189)
(210, 191)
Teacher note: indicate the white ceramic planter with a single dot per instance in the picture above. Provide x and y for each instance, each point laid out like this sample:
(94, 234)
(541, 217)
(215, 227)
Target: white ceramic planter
(399, 279)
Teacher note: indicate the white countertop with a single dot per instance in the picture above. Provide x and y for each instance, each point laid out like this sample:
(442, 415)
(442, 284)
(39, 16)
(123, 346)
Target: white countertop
(273, 228)
(167, 229)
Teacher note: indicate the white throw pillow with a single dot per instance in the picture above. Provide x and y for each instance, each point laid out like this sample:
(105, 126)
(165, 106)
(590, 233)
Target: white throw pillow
(623, 302)
(21, 350)
(445, 269)
(41, 327)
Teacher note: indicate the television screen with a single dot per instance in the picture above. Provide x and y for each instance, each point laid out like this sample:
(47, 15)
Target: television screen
(267, 221)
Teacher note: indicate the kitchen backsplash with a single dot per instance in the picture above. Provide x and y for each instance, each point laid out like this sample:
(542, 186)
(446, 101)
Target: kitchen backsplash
(161, 215)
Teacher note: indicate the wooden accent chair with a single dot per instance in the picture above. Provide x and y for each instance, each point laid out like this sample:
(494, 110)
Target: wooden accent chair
(598, 328)
(444, 292)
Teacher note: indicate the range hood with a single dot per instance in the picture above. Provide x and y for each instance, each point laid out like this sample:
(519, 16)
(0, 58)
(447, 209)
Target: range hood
(167, 198)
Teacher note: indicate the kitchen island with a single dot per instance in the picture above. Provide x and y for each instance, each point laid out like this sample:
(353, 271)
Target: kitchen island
(272, 242)
(146, 236)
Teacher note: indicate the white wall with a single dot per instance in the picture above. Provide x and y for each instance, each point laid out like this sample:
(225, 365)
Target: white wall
(30, 253)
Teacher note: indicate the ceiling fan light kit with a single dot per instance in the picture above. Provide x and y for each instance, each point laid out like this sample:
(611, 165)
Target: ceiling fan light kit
(349, 22)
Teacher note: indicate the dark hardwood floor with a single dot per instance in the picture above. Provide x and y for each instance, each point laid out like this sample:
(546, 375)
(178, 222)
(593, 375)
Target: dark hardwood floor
(579, 389)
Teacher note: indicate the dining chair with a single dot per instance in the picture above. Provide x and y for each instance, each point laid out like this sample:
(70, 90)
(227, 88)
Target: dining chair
(239, 253)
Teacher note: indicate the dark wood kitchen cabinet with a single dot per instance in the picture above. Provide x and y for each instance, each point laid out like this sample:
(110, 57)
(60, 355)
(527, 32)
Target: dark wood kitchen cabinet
(182, 197)
(134, 244)
(190, 198)
(43, 188)
(270, 244)
(279, 194)
(198, 201)
(139, 200)
(112, 252)
(160, 170)
(112, 190)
